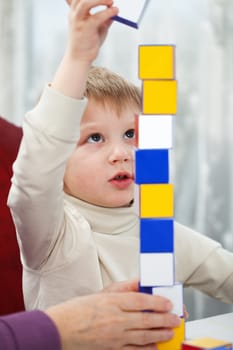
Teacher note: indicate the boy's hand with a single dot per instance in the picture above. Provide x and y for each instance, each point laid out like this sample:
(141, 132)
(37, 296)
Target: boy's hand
(88, 31)
(86, 35)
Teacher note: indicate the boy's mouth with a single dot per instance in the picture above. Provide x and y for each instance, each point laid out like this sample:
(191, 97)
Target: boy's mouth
(121, 177)
(122, 180)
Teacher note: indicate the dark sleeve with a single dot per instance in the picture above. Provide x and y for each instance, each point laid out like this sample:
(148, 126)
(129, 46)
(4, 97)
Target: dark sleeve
(28, 330)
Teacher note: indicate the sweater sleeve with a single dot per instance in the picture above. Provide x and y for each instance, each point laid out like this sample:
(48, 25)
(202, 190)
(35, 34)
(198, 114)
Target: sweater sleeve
(50, 134)
(203, 264)
(28, 330)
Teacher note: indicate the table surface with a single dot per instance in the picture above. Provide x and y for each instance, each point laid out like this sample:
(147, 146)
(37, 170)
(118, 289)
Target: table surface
(219, 327)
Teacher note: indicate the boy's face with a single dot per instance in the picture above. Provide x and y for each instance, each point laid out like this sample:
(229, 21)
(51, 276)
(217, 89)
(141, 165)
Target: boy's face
(101, 169)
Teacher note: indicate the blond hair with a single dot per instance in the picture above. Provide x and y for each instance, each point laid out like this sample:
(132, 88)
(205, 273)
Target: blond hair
(107, 87)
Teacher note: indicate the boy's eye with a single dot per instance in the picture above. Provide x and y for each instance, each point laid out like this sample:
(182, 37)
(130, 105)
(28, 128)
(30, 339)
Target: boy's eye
(130, 134)
(95, 138)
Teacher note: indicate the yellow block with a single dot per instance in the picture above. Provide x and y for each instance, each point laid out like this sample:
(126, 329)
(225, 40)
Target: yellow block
(156, 62)
(207, 343)
(159, 97)
(156, 200)
(176, 342)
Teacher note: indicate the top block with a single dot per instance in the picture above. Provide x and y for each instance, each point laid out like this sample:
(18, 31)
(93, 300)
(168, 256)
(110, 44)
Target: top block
(130, 11)
(156, 62)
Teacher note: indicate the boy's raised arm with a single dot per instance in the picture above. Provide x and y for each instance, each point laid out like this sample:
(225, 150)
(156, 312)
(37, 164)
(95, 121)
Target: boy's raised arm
(86, 34)
(51, 132)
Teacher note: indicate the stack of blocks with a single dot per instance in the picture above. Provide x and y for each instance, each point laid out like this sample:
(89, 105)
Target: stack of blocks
(154, 139)
(154, 130)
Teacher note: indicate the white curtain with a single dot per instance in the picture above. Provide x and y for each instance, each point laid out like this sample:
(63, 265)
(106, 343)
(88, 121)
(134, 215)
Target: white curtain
(203, 152)
(15, 27)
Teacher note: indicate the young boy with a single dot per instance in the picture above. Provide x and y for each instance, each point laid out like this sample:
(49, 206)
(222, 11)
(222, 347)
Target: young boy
(73, 184)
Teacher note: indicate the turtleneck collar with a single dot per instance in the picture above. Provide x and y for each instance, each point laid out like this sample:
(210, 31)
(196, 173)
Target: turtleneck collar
(112, 221)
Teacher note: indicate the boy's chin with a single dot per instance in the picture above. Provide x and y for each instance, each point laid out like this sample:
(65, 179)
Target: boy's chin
(113, 205)
(125, 205)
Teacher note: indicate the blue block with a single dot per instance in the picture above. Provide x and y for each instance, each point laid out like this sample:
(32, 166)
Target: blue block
(151, 166)
(126, 21)
(156, 235)
(147, 290)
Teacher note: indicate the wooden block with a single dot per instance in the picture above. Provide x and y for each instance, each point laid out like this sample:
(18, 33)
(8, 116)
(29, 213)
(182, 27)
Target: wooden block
(176, 341)
(157, 269)
(157, 236)
(130, 12)
(156, 200)
(155, 131)
(159, 97)
(206, 344)
(156, 62)
(147, 290)
(173, 293)
(151, 166)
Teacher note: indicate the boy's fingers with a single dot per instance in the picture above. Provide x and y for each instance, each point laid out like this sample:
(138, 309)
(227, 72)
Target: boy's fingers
(95, 3)
(85, 7)
(73, 3)
(106, 14)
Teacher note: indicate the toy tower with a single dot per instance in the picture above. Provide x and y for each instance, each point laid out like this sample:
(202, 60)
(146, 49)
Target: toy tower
(154, 129)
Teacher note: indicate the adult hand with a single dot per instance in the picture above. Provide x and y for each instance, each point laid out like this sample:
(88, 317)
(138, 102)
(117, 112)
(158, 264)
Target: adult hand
(124, 286)
(114, 320)
(127, 286)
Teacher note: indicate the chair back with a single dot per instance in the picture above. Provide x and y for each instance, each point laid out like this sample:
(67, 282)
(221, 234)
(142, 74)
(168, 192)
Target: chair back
(11, 297)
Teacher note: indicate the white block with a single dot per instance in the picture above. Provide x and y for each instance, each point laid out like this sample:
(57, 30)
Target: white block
(130, 11)
(174, 294)
(157, 269)
(155, 131)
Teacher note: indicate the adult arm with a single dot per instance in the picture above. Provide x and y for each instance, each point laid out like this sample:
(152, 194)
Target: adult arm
(28, 330)
(114, 319)
(51, 131)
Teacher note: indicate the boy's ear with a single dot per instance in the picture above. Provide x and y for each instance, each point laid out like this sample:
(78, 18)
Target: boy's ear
(68, 2)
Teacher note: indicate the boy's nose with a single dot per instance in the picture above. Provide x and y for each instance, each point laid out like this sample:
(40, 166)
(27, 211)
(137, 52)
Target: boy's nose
(121, 154)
